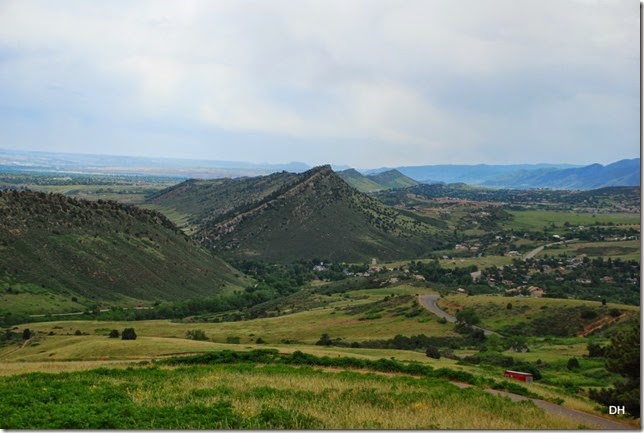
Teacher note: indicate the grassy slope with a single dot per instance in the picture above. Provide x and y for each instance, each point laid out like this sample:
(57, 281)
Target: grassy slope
(360, 182)
(161, 338)
(494, 313)
(99, 251)
(393, 179)
(256, 397)
(202, 200)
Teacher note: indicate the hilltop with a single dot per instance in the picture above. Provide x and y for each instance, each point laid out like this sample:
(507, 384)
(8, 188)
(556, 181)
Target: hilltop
(390, 179)
(286, 217)
(359, 181)
(51, 244)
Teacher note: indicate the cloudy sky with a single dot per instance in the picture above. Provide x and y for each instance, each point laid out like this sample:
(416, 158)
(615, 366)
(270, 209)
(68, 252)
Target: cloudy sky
(363, 83)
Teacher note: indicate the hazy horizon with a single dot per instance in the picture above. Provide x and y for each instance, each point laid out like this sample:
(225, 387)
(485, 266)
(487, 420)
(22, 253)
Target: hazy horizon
(365, 84)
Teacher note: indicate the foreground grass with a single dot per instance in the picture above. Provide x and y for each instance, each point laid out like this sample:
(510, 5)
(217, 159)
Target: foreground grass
(255, 397)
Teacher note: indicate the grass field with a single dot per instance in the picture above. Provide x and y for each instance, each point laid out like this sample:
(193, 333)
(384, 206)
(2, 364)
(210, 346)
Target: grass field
(536, 220)
(625, 250)
(256, 397)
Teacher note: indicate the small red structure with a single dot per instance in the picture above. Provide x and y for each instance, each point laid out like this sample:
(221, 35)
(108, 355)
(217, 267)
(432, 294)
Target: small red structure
(518, 375)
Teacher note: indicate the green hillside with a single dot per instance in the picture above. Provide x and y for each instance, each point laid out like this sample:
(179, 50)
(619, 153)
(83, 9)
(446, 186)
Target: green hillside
(360, 182)
(392, 179)
(194, 202)
(320, 216)
(53, 246)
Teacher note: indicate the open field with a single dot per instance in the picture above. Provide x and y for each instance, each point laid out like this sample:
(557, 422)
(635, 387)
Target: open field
(536, 220)
(625, 250)
(259, 397)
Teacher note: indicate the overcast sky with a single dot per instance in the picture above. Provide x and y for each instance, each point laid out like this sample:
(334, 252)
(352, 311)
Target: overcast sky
(363, 83)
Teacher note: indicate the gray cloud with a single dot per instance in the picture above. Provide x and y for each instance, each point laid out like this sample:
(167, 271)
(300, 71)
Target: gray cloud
(364, 83)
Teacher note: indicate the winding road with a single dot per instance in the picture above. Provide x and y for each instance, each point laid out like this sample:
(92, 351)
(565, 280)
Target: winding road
(429, 302)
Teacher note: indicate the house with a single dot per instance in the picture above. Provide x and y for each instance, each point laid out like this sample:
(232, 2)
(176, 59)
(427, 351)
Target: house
(518, 375)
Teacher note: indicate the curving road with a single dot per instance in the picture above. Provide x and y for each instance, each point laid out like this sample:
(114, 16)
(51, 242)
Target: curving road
(429, 302)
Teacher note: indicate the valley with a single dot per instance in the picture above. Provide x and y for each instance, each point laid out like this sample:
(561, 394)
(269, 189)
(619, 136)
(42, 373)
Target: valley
(258, 270)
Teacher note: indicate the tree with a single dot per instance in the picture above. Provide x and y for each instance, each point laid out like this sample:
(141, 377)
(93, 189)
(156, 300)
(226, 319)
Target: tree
(623, 357)
(432, 352)
(128, 334)
(468, 316)
(324, 340)
(114, 333)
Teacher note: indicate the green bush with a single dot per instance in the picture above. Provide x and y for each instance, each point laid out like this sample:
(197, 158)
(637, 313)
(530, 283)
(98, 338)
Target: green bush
(573, 364)
(128, 334)
(196, 334)
(433, 352)
(114, 333)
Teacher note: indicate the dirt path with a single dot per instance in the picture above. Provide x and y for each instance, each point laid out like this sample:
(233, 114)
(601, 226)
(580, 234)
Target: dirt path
(590, 420)
(604, 321)
(429, 302)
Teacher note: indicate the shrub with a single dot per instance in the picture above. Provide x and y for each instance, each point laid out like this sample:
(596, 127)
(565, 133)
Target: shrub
(78, 332)
(595, 350)
(614, 312)
(128, 334)
(260, 340)
(233, 340)
(196, 334)
(114, 333)
(26, 334)
(573, 364)
(433, 352)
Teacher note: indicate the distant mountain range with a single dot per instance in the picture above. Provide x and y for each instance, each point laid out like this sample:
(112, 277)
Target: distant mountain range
(517, 176)
(285, 217)
(522, 176)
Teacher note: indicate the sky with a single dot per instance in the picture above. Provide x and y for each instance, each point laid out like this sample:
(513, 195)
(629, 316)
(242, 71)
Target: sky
(361, 83)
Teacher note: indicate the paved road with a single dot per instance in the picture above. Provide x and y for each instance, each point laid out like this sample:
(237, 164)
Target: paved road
(429, 302)
(537, 250)
(590, 420)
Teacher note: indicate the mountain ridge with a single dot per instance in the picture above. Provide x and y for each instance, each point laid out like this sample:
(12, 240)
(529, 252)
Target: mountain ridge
(314, 215)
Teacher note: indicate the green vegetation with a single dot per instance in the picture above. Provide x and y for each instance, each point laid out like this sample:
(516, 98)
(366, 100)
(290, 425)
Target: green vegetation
(360, 182)
(53, 247)
(243, 396)
(623, 358)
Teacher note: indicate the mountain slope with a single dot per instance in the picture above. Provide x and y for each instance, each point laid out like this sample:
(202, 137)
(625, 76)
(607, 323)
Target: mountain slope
(317, 215)
(103, 250)
(198, 201)
(392, 179)
(358, 181)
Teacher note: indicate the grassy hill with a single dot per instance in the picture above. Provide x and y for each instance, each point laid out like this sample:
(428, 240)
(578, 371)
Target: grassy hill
(359, 181)
(386, 180)
(317, 215)
(392, 179)
(53, 247)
